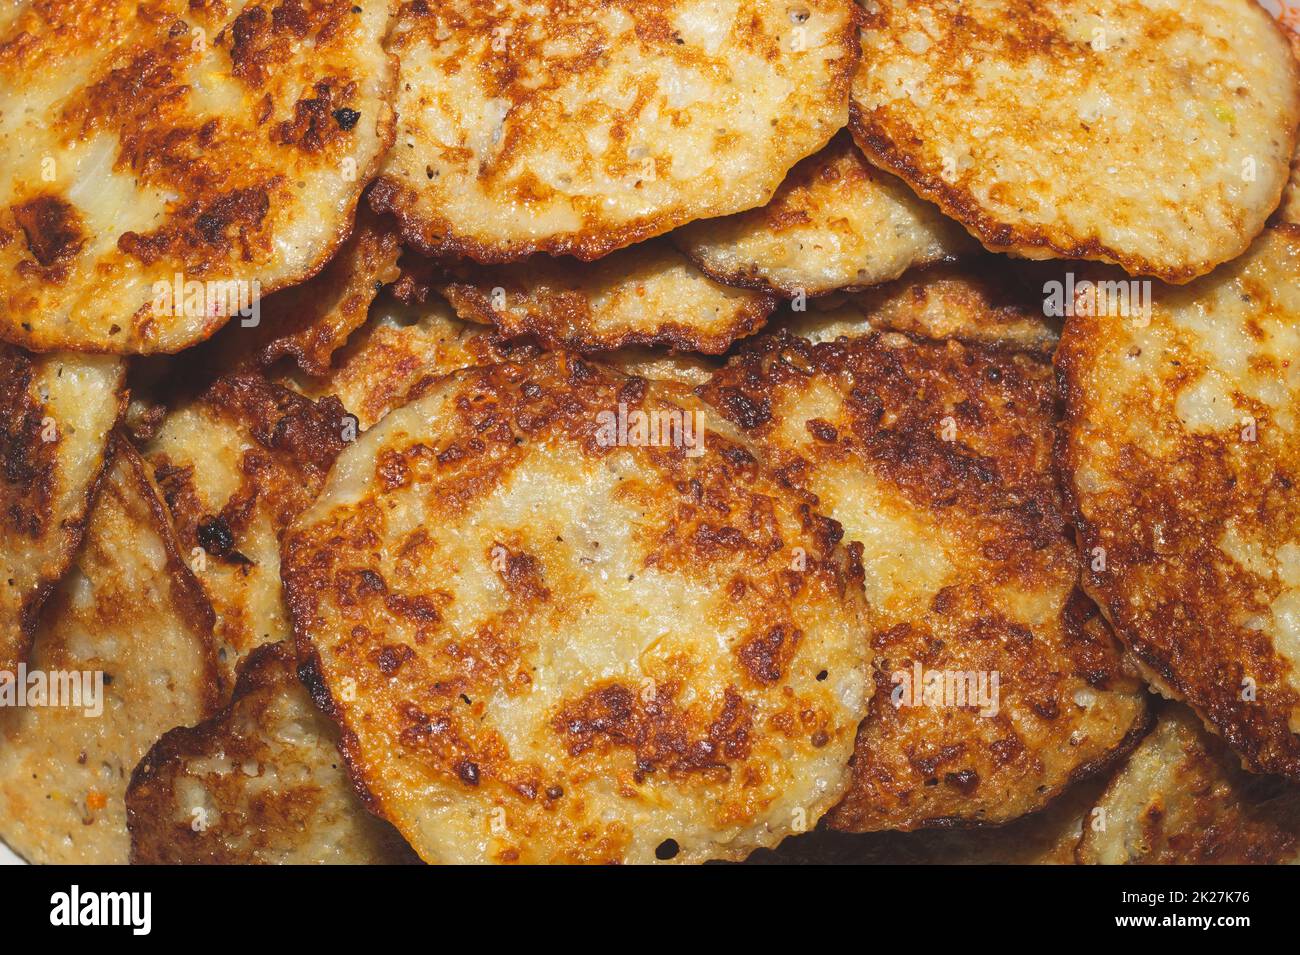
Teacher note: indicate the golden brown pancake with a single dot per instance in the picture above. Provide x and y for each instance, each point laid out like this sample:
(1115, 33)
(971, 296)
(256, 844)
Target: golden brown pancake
(549, 638)
(260, 783)
(1183, 799)
(164, 164)
(236, 464)
(975, 303)
(1146, 133)
(836, 224)
(581, 127)
(129, 611)
(996, 684)
(57, 411)
(1182, 455)
(649, 294)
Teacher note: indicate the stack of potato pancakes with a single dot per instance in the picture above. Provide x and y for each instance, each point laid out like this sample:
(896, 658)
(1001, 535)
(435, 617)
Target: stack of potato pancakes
(593, 431)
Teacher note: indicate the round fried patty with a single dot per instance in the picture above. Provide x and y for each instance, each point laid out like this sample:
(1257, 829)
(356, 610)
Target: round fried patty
(1183, 456)
(583, 126)
(164, 164)
(548, 638)
(996, 682)
(1148, 133)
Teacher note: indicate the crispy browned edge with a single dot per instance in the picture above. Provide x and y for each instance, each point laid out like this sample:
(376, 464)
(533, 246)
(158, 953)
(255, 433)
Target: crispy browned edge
(1103, 765)
(673, 335)
(998, 237)
(1230, 729)
(391, 196)
(1145, 720)
(386, 130)
(76, 528)
(256, 672)
(738, 278)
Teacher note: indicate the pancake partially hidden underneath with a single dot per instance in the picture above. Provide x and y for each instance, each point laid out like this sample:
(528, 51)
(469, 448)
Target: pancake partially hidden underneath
(236, 464)
(836, 224)
(124, 652)
(262, 782)
(1183, 799)
(551, 637)
(979, 303)
(164, 164)
(996, 682)
(1146, 133)
(56, 411)
(649, 294)
(1183, 458)
(584, 126)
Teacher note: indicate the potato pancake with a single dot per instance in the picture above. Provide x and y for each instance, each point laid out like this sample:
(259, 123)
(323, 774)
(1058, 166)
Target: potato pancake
(1152, 134)
(996, 682)
(56, 412)
(836, 224)
(581, 127)
(1289, 211)
(1046, 837)
(236, 465)
(649, 294)
(309, 322)
(939, 303)
(1182, 457)
(556, 627)
(126, 640)
(164, 164)
(1183, 799)
(262, 782)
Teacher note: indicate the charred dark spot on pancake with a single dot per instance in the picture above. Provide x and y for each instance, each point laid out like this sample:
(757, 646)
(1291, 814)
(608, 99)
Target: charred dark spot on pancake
(765, 657)
(663, 737)
(53, 229)
(318, 120)
(26, 462)
(522, 574)
(391, 658)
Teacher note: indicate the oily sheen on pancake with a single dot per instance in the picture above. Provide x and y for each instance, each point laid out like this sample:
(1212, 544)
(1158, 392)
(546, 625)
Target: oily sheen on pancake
(1149, 133)
(164, 164)
(130, 611)
(1182, 455)
(260, 783)
(996, 683)
(56, 412)
(549, 640)
(583, 126)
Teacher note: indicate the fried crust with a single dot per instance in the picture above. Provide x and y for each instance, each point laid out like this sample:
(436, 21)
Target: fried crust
(235, 466)
(647, 295)
(146, 144)
(1004, 113)
(1183, 799)
(261, 782)
(545, 649)
(974, 303)
(837, 224)
(937, 458)
(1186, 510)
(579, 128)
(131, 610)
(57, 412)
